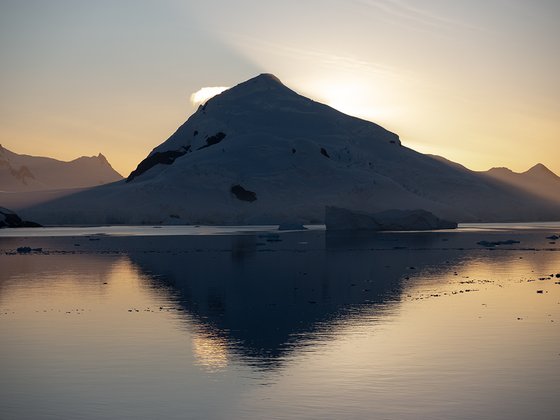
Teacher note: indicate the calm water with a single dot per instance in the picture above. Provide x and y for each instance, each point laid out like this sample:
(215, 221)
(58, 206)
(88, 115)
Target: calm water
(245, 324)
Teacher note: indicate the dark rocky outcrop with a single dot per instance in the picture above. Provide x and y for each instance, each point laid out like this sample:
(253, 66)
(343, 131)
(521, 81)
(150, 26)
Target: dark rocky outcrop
(243, 194)
(395, 220)
(157, 158)
(8, 219)
(212, 140)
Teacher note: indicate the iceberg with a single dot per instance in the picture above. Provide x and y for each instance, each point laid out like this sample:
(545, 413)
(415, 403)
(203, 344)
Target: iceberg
(337, 218)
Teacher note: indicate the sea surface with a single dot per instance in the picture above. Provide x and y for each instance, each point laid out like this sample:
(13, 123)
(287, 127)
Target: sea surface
(254, 323)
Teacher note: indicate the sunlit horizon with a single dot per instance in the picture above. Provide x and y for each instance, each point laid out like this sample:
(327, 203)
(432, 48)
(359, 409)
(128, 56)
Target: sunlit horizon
(474, 82)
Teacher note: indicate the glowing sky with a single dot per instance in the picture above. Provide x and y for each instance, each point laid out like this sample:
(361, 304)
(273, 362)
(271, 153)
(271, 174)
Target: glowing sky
(475, 81)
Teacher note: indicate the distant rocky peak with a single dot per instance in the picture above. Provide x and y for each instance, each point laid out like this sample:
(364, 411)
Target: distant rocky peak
(500, 169)
(540, 170)
(38, 173)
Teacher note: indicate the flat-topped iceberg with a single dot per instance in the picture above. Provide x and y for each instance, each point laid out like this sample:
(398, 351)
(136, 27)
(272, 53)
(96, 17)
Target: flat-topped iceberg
(337, 218)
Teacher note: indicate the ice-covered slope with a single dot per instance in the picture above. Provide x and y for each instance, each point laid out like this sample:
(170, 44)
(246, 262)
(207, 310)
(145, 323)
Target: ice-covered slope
(261, 153)
(31, 173)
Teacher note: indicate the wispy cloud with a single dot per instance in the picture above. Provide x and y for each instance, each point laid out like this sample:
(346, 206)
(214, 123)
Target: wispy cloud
(204, 94)
(403, 10)
(259, 48)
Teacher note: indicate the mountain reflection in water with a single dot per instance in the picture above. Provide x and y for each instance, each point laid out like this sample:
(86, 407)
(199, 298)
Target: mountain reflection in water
(281, 325)
(261, 303)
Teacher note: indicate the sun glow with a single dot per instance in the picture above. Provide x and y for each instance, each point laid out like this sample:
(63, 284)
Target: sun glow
(341, 97)
(352, 98)
(204, 94)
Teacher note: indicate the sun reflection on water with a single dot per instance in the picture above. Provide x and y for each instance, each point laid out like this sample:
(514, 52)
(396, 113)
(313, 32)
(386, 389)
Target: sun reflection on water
(210, 351)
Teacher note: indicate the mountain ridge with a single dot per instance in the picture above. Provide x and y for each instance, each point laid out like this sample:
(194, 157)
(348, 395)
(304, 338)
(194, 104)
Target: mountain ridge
(261, 153)
(539, 180)
(21, 172)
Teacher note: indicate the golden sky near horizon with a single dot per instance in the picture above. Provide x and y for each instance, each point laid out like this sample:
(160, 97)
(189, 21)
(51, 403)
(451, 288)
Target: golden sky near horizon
(476, 82)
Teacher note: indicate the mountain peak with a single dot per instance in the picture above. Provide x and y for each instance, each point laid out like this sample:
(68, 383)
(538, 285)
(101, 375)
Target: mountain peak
(264, 82)
(540, 169)
(267, 78)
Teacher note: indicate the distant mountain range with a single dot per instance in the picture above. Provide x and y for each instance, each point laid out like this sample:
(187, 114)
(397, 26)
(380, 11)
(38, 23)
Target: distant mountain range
(261, 153)
(31, 173)
(538, 180)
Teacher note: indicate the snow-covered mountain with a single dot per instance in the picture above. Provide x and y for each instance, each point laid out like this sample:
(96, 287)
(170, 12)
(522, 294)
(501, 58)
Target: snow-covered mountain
(31, 173)
(261, 153)
(538, 180)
